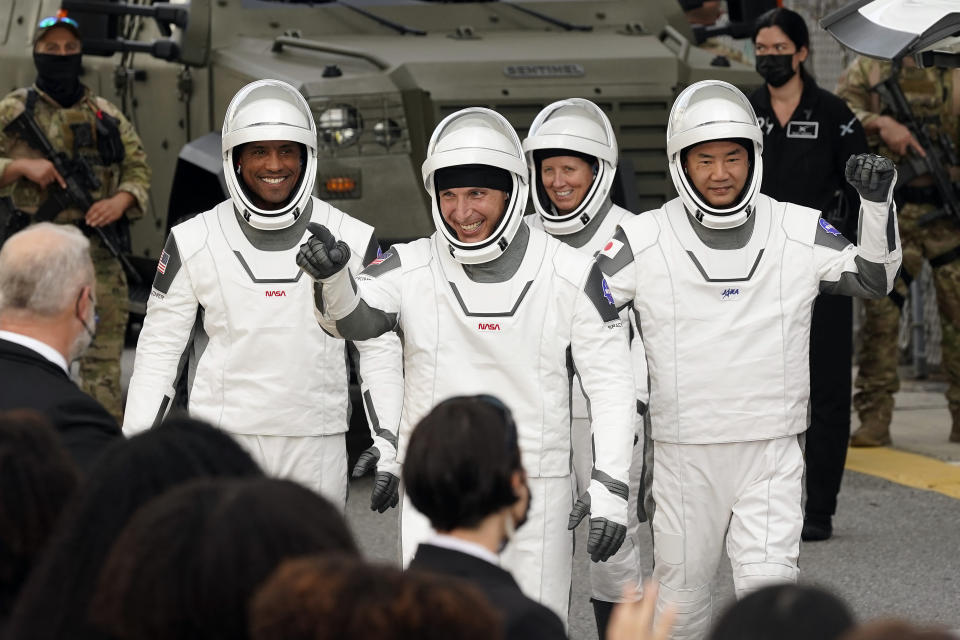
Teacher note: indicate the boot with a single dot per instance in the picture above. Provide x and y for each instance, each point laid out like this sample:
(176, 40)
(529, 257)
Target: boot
(602, 611)
(816, 528)
(871, 434)
(955, 417)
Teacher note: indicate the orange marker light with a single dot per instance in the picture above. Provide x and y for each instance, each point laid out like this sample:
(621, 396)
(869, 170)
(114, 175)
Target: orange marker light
(340, 185)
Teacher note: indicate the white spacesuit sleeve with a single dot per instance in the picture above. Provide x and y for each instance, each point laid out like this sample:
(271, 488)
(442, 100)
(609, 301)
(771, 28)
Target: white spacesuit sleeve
(380, 374)
(171, 313)
(616, 264)
(362, 307)
(601, 356)
(868, 269)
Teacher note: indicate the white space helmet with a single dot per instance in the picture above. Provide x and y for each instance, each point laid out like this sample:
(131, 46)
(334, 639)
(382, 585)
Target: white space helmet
(269, 110)
(581, 126)
(714, 110)
(478, 136)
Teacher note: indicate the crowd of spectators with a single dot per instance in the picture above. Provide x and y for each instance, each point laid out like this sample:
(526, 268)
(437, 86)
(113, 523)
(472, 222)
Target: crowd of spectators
(176, 534)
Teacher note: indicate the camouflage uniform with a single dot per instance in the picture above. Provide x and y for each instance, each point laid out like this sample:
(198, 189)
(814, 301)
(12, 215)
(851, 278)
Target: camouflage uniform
(934, 96)
(100, 366)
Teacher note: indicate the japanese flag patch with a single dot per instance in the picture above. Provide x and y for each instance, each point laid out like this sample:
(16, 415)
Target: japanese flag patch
(611, 249)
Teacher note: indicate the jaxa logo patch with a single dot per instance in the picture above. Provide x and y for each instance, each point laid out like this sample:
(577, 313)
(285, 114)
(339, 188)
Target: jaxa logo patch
(829, 228)
(730, 293)
(606, 291)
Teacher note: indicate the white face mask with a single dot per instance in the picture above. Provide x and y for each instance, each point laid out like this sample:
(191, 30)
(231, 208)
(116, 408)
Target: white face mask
(84, 339)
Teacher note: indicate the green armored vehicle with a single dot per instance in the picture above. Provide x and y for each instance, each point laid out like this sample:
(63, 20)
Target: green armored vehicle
(379, 74)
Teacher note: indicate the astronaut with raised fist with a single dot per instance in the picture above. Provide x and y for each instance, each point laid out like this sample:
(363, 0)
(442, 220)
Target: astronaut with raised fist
(488, 305)
(228, 300)
(722, 280)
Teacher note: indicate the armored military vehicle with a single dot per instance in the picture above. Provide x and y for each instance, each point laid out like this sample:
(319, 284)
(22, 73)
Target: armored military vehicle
(379, 75)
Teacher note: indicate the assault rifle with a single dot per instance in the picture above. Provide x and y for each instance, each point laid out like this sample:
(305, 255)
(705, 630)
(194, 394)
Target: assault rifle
(11, 219)
(913, 165)
(79, 177)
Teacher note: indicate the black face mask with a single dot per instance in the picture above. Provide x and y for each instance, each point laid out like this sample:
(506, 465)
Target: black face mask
(776, 70)
(59, 77)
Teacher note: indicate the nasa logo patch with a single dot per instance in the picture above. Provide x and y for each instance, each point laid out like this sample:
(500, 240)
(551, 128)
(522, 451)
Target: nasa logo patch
(606, 291)
(829, 228)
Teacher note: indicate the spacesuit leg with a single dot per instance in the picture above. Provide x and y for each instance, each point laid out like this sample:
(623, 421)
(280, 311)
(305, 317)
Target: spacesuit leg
(764, 537)
(540, 554)
(693, 491)
(317, 462)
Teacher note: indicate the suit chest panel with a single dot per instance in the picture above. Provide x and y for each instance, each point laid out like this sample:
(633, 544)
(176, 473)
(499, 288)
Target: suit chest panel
(257, 290)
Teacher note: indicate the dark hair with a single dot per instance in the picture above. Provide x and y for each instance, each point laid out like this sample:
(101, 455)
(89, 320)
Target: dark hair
(786, 612)
(37, 478)
(790, 22)
(330, 598)
(54, 601)
(187, 563)
(460, 460)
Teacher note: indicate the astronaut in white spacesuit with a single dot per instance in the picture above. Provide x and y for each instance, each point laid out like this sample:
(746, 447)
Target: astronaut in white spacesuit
(260, 367)
(488, 305)
(572, 154)
(723, 280)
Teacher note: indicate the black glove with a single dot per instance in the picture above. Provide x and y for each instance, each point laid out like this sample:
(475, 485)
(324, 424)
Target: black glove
(605, 536)
(386, 486)
(322, 255)
(872, 176)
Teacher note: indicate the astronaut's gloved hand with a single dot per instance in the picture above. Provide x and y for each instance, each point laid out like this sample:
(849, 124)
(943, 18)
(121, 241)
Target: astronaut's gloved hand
(322, 255)
(872, 176)
(386, 485)
(608, 510)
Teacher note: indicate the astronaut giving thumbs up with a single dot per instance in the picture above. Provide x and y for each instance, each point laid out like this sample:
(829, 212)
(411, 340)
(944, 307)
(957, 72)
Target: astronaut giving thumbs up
(488, 305)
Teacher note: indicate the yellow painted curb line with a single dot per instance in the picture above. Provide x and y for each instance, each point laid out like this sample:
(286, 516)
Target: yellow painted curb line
(904, 468)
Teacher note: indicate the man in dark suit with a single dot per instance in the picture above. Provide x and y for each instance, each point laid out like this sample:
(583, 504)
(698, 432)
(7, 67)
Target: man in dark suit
(463, 471)
(47, 320)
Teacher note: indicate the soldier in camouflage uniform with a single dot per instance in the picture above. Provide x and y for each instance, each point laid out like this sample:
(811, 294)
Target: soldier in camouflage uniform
(934, 97)
(68, 113)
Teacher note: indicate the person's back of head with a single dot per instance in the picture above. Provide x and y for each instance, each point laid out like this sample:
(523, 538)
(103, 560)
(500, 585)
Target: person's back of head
(37, 478)
(187, 564)
(331, 598)
(461, 460)
(785, 612)
(41, 270)
(131, 472)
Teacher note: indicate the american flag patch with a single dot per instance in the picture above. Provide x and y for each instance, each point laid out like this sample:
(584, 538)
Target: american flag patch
(162, 265)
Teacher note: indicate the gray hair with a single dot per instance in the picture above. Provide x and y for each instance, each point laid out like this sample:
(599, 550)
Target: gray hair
(43, 268)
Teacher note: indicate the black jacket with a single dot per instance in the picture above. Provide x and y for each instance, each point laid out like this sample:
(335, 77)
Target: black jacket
(30, 381)
(523, 618)
(803, 163)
